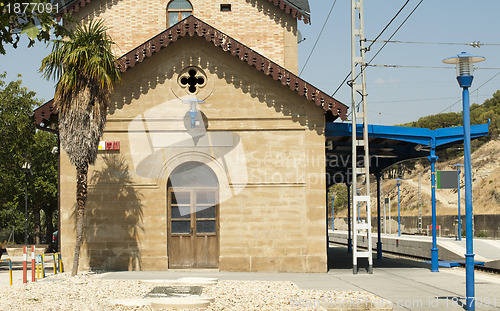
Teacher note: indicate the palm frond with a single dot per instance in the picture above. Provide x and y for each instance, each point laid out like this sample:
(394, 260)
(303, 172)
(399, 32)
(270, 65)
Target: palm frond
(86, 70)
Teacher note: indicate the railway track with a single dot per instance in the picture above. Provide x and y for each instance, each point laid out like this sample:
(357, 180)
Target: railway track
(419, 258)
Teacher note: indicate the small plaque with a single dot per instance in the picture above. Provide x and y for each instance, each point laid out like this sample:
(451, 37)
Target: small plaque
(447, 179)
(102, 145)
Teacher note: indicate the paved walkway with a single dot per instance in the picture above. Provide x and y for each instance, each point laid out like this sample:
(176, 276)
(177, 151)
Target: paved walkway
(408, 284)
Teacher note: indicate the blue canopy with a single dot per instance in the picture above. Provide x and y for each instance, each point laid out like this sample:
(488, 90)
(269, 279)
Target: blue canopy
(389, 144)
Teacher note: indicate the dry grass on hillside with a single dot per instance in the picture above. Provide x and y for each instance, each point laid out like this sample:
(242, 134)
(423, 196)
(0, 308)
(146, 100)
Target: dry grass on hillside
(486, 186)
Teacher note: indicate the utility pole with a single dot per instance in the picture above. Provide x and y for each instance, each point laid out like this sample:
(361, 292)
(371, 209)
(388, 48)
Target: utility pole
(358, 89)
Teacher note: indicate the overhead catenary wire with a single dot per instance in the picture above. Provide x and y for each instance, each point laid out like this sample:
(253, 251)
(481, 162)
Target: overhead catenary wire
(378, 36)
(388, 24)
(424, 67)
(474, 44)
(458, 101)
(412, 100)
(317, 39)
(393, 34)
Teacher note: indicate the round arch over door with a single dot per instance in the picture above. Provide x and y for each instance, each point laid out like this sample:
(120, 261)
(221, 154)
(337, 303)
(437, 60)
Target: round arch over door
(193, 217)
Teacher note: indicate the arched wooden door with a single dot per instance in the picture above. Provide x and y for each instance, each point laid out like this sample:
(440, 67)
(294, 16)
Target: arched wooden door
(193, 217)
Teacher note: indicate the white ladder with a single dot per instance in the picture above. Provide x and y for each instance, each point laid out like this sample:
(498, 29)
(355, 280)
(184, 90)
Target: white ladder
(359, 89)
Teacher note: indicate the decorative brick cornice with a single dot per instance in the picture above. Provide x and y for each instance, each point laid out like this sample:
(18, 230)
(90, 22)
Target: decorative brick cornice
(192, 26)
(283, 5)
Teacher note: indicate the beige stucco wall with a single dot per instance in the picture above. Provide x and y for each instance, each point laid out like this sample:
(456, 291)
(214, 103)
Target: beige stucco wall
(256, 23)
(272, 179)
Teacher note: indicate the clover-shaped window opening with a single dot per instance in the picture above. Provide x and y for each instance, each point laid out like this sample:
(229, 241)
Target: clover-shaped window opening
(192, 81)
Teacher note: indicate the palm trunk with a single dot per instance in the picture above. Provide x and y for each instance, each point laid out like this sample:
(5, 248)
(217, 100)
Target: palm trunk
(81, 198)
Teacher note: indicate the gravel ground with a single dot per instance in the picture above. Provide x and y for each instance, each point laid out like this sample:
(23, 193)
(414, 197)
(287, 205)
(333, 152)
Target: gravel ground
(85, 292)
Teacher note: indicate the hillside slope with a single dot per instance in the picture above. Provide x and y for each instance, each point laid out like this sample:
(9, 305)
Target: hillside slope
(486, 186)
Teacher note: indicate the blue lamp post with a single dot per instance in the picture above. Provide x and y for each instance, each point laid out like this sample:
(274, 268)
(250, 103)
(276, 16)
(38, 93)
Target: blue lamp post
(458, 190)
(463, 62)
(399, 213)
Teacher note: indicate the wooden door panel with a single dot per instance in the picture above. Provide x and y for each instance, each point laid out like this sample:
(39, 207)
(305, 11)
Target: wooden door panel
(193, 227)
(207, 252)
(206, 228)
(180, 241)
(182, 252)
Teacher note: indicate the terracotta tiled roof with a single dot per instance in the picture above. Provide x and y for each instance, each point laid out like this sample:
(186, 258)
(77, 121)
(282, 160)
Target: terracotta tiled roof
(192, 26)
(297, 8)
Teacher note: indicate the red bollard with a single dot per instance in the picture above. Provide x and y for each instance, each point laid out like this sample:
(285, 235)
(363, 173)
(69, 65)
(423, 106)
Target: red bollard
(33, 266)
(25, 266)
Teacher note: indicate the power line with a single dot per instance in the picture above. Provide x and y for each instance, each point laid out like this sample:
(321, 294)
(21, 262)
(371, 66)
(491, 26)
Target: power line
(387, 26)
(317, 39)
(472, 91)
(474, 44)
(434, 67)
(411, 100)
(409, 66)
(393, 34)
(383, 30)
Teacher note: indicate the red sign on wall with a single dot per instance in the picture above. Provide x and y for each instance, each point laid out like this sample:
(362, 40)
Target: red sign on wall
(109, 145)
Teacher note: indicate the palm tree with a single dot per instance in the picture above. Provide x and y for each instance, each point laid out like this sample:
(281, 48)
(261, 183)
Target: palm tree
(86, 68)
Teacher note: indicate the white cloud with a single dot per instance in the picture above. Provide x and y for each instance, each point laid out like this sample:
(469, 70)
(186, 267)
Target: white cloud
(390, 81)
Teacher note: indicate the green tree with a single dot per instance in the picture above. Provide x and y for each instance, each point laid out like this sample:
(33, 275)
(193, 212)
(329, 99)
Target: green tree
(340, 193)
(16, 130)
(479, 114)
(86, 69)
(35, 18)
(21, 143)
(43, 183)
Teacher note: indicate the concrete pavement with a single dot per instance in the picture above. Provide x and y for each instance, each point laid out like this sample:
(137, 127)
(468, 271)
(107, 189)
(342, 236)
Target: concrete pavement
(408, 284)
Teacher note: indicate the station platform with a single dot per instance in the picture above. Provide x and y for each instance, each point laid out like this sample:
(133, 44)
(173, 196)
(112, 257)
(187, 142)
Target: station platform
(449, 249)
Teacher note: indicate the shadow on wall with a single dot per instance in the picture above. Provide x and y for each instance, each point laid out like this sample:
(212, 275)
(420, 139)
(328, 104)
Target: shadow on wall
(268, 10)
(231, 69)
(113, 218)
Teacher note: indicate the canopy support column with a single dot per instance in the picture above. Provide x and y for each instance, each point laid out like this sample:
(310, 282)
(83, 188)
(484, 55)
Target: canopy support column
(349, 239)
(379, 242)
(434, 250)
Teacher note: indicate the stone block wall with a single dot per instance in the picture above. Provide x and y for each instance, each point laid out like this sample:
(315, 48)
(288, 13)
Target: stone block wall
(272, 212)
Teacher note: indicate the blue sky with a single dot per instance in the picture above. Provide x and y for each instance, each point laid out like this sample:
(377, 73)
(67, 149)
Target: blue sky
(395, 95)
(399, 95)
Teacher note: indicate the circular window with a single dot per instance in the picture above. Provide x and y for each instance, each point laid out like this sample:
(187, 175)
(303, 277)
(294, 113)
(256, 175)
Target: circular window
(192, 79)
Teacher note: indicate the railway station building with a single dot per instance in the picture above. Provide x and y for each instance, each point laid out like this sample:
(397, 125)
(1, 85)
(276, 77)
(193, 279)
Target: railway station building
(213, 154)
